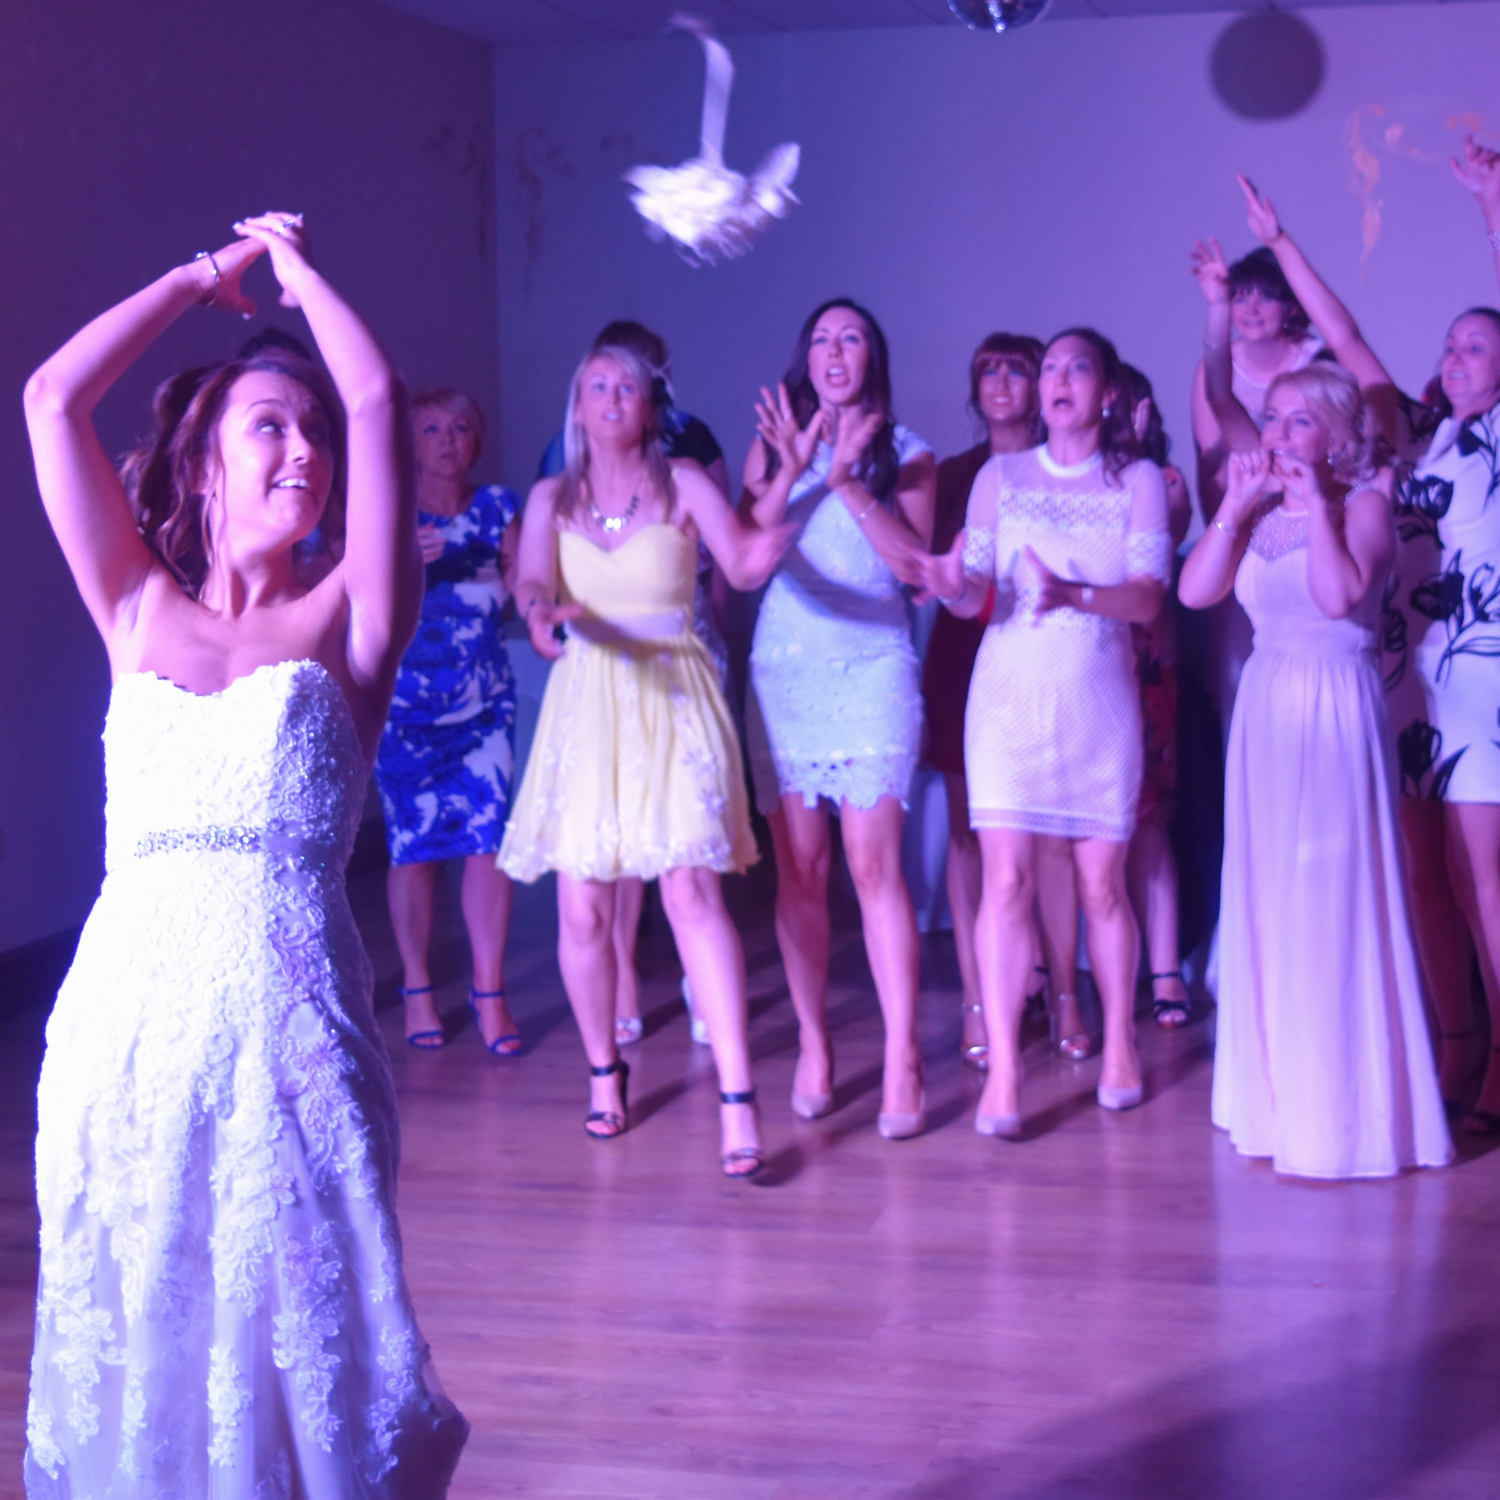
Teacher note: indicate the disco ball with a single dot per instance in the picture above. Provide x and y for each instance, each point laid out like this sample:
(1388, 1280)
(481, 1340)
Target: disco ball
(998, 15)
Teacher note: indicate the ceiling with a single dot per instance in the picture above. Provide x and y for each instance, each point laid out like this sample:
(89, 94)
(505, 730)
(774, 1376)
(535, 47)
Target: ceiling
(529, 23)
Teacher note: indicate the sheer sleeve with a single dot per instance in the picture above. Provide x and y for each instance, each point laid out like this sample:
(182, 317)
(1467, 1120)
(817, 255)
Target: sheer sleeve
(979, 522)
(1148, 543)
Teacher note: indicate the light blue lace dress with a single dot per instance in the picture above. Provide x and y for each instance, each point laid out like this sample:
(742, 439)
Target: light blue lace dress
(835, 703)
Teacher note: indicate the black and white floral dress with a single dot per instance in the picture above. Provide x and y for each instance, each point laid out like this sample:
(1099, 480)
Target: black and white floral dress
(1440, 630)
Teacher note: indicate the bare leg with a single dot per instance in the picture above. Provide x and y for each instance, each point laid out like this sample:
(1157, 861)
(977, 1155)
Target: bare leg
(630, 897)
(1003, 939)
(1114, 948)
(1440, 925)
(1153, 889)
(964, 884)
(1057, 906)
(872, 845)
(800, 841)
(586, 956)
(1474, 850)
(410, 892)
(486, 896)
(714, 961)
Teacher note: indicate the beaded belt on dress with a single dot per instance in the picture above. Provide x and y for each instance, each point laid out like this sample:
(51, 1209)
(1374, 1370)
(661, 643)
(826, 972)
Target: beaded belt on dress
(303, 853)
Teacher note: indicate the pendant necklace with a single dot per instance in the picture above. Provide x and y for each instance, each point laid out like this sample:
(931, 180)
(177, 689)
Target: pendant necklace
(613, 525)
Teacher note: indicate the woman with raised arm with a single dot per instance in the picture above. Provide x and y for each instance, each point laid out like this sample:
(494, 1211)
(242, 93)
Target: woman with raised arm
(222, 1309)
(445, 762)
(834, 713)
(1073, 535)
(1322, 1061)
(1440, 640)
(635, 769)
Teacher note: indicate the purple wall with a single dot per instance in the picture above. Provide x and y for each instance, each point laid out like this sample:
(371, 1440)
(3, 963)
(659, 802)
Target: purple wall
(131, 136)
(958, 182)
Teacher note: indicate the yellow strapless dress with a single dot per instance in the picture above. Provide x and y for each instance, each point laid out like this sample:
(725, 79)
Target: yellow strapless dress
(635, 768)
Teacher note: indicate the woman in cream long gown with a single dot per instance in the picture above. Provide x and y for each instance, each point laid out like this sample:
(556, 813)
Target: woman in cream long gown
(1323, 1062)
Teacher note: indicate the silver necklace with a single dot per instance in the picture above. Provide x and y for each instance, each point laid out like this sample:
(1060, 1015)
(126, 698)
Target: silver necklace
(611, 525)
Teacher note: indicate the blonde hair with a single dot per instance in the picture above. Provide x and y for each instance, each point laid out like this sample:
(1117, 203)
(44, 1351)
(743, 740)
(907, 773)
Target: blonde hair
(456, 403)
(573, 482)
(1333, 397)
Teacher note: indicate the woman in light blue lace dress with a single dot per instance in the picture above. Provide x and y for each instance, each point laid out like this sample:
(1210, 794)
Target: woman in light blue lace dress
(834, 711)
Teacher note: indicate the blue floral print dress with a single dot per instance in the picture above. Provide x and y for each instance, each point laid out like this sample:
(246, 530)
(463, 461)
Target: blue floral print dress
(1440, 631)
(445, 762)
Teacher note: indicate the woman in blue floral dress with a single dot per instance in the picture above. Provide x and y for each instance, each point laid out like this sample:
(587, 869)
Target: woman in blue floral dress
(445, 762)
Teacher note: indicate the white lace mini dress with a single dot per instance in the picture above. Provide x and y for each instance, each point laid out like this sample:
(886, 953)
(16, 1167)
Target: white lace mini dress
(1052, 732)
(835, 705)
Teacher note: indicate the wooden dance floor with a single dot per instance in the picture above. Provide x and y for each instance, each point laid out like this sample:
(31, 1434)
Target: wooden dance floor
(1118, 1307)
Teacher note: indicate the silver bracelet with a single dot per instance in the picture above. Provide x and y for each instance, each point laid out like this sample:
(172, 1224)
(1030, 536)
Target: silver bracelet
(859, 520)
(213, 293)
(1494, 238)
(1229, 531)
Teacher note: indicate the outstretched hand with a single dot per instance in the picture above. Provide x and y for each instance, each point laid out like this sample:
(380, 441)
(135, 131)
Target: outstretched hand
(1210, 270)
(283, 237)
(542, 621)
(938, 576)
(1479, 171)
(1260, 212)
(778, 429)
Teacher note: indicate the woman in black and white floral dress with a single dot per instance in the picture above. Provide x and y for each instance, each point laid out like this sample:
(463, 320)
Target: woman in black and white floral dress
(1440, 640)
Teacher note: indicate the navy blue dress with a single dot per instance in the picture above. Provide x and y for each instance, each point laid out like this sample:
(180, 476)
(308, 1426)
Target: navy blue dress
(445, 762)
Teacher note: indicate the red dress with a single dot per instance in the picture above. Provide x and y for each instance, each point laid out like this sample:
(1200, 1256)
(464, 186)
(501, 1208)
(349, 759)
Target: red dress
(954, 642)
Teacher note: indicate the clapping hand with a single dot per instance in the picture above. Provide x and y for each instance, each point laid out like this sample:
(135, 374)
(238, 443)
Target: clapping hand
(1247, 477)
(1299, 480)
(938, 576)
(778, 429)
(284, 239)
(1048, 591)
(1479, 171)
(1260, 213)
(1210, 271)
(854, 434)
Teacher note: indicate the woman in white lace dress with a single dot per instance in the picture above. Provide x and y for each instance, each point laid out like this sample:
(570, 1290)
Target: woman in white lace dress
(221, 1310)
(834, 711)
(1074, 535)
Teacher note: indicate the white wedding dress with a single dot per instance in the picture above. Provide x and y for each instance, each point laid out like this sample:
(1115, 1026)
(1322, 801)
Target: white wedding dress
(222, 1313)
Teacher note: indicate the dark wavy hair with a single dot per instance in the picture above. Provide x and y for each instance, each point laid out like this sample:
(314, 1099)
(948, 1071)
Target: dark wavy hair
(166, 477)
(1019, 346)
(1154, 442)
(880, 467)
(1260, 270)
(1117, 443)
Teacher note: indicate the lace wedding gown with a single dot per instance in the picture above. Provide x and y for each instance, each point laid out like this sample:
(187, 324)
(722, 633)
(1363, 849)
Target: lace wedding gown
(222, 1311)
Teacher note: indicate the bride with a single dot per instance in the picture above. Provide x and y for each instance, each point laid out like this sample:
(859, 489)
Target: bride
(222, 1310)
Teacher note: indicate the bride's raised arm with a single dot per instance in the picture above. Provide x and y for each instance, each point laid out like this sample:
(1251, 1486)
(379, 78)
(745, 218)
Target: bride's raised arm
(382, 567)
(81, 492)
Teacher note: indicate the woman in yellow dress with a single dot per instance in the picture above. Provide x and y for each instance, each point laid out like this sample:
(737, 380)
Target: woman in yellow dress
(635, 769)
